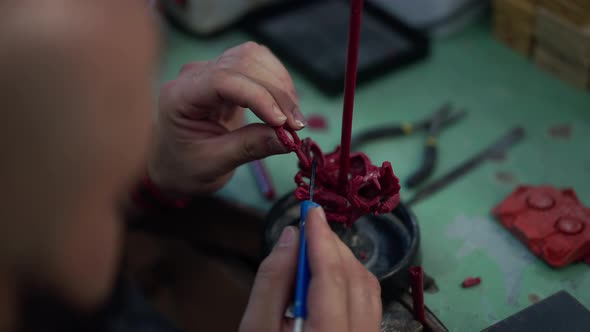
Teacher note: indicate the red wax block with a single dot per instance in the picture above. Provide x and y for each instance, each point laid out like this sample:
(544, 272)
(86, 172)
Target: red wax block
(470, 282)
(552, 223)
(369, 189)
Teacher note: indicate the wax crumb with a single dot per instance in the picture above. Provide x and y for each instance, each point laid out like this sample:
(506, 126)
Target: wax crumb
(561, 131)
(470, 282)
(363, 255)
(534, 298)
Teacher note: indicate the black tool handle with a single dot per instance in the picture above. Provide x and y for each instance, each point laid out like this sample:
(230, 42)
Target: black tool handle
(427, 166)
(514, 136)
(381, 132)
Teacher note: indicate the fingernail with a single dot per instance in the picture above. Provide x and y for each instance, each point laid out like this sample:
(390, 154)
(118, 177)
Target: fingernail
(298, 116)
(287, 237)
(290, 136)
(276, 146)
(321, 215)
(278, 114)
(300, 124)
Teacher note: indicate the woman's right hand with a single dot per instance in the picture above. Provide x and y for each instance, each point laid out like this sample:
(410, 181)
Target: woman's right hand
(343, 295)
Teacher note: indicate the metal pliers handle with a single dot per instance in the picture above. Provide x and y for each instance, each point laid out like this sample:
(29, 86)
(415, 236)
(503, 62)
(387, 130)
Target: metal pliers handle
(443, 117)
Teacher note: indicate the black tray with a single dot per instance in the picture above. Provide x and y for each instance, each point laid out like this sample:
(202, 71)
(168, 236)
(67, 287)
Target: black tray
(313, 35)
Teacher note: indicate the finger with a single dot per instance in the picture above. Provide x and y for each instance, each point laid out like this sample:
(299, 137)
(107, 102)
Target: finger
(364, 300)
(245, 89)
(191, 92)
(193, 67)
(239, 89)
(290, 108)
(269, 58)
(263, 57)
(260, 64)
(327, 296)
(252, 142)
(273, 286)
(288, 325)
(365, 305)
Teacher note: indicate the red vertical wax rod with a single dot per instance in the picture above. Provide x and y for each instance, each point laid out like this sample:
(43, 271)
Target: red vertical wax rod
(417, 285)
(354, 32)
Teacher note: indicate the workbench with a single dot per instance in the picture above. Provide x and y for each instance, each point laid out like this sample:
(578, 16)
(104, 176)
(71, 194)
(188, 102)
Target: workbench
(500, 89)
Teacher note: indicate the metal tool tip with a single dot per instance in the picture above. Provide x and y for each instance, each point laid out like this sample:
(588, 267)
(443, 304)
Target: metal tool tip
(312, 179)
(298, 325)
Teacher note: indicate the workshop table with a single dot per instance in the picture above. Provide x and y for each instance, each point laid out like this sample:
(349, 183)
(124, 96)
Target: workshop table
(460, 238)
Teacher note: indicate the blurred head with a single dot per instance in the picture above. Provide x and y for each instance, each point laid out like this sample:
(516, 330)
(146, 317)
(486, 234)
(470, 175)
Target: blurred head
(75, 102)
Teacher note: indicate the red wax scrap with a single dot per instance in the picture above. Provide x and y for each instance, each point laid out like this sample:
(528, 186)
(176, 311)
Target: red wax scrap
(552, 222)
(316, 121)
(470, 282)
(370, 189)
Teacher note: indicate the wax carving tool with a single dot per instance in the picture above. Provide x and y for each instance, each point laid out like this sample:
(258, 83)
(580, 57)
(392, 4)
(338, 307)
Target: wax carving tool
(303, 275)
(514, 136)
(433, 124)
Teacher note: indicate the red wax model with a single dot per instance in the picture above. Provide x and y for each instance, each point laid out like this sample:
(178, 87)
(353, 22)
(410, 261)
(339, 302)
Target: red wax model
(369, 189)
(551, 222)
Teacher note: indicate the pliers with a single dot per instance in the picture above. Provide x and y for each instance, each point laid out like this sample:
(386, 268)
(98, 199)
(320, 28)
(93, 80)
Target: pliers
(433, 124)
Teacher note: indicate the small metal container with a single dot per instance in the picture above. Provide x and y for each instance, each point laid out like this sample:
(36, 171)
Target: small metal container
(387, 244)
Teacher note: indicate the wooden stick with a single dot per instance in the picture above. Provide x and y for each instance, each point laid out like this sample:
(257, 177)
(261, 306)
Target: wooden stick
(356, 9)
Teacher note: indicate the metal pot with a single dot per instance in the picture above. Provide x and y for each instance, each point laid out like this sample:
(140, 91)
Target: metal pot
(387, 244)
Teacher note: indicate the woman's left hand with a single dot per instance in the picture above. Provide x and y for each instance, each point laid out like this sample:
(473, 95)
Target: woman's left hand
(200, 132)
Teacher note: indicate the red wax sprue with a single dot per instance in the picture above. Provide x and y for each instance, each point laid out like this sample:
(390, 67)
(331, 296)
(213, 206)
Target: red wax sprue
(347, 186)
(417, 286)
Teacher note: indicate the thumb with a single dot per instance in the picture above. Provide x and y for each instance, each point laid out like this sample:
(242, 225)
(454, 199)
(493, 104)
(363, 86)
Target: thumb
(251, 142)
(273, 286)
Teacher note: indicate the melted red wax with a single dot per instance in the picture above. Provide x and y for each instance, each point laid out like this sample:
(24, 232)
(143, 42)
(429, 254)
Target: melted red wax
(370, 189)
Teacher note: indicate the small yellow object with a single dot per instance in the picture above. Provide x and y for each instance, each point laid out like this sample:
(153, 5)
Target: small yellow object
(407, 128)
(431, 141)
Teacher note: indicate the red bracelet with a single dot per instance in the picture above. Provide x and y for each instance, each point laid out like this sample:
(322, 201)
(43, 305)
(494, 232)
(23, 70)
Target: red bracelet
(148, 196)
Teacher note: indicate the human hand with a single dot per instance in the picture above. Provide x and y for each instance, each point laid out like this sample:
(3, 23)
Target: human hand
(200, 132)
(343, 295)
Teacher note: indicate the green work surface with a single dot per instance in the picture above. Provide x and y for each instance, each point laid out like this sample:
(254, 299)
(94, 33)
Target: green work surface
(499, 89)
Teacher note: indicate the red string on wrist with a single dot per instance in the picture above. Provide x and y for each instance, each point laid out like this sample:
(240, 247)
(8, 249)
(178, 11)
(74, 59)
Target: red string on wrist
(150, 197)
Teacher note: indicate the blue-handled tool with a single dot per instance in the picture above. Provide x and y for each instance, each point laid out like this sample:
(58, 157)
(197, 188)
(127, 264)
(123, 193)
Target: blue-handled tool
(303, 275)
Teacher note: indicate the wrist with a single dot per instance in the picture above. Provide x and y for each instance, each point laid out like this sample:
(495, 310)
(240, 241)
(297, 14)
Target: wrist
(148, 195)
